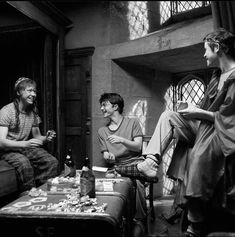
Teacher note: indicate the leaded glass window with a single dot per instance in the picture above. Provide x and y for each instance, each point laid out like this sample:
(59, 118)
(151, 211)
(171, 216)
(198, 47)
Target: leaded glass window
(171, 8)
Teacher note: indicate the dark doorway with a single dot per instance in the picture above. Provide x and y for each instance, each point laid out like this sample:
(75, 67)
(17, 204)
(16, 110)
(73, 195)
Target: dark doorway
(23, 54)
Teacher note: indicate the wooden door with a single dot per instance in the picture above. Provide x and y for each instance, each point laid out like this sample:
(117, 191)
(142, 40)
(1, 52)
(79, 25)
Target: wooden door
(77, 103)
(48, 91)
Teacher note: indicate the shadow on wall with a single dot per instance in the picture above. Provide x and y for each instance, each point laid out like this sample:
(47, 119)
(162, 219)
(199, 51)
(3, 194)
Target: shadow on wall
(139, 110)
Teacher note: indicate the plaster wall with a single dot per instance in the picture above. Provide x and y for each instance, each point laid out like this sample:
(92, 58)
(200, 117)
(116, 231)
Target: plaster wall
(94, 24)
(102, 23)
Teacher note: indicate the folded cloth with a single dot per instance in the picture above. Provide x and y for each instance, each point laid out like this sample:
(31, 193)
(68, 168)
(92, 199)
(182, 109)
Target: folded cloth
(133, 172)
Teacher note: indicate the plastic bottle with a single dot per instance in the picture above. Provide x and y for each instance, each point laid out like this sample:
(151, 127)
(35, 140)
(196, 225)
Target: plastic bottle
(69, 165)
(87, 180)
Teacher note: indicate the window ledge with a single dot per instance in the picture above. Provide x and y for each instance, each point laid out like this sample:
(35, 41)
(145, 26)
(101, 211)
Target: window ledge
(188, 15)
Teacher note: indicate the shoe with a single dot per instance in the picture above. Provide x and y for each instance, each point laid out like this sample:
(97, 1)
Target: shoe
(173, 217)
(149, 166)
(138, 229)
(189, 234)
(192, 231)
(133, 172)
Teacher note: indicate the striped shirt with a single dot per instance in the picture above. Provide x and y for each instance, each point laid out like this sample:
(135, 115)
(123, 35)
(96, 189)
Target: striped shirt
(27, 121)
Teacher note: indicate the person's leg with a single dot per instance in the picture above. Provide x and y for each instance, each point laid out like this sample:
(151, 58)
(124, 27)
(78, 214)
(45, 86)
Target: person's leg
(24, 170)
(196, 216)
(176, 210)
(140, 218)
(45, 165)
(170, 125)
(141, 206)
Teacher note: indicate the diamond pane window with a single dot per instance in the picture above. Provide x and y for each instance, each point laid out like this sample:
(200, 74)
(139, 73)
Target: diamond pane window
(192, 90)
(170, 8)
(138, 19)
(165, 10)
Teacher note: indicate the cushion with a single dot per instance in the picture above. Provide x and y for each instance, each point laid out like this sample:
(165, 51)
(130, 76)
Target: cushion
(8, 181)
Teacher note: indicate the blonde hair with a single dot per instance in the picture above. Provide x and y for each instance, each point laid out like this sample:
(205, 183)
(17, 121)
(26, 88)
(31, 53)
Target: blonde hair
(21, 84)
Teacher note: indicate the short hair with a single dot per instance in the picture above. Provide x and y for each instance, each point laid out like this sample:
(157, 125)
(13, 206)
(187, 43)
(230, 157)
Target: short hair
(224, 38)
(113, 98)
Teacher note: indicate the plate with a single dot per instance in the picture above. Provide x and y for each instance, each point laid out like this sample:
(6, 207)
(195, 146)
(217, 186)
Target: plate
(21, 204)
(38, 199)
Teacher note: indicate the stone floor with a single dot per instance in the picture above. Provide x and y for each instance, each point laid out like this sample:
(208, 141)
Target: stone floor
(159, 227)
(219, 224)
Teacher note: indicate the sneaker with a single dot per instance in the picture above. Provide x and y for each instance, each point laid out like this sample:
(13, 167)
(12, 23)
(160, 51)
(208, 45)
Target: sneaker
(174, 217)
(138, 229)
(149, 166)
(193, 230)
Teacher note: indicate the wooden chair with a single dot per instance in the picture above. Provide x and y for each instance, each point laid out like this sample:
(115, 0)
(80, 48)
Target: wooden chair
(151, 211)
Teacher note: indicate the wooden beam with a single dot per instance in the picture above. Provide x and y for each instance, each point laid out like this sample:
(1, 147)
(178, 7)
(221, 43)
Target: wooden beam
(19, 28)
(34, 13)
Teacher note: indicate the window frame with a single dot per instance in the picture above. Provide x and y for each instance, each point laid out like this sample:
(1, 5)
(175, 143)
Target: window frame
(188, 15)
(184, 81)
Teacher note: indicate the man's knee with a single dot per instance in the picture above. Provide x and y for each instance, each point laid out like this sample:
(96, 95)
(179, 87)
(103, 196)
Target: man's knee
(54, 161)
(24, 164)
(48, 158)
(50, 163)
(53, 164)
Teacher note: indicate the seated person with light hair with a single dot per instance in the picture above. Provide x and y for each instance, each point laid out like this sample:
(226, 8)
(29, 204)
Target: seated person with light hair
(18, 121)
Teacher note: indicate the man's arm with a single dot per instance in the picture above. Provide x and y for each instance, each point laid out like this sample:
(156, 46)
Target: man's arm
(6, 143)
(135, 145)
(37, 134)
(193, 112)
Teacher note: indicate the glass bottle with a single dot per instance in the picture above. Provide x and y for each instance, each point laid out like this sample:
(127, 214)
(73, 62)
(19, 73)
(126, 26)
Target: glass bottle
(69, 165)
(87, 180)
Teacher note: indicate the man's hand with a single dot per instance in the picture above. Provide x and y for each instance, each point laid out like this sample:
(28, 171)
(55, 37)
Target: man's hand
(109, 157)
(33, 143)
(181, 105)
(192, 112)
(115, 139)
(51, 134)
